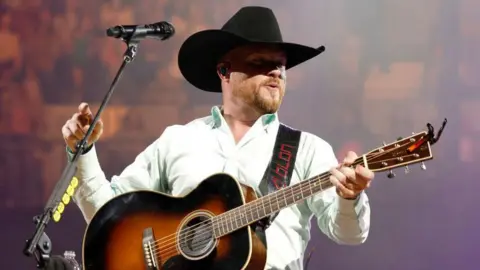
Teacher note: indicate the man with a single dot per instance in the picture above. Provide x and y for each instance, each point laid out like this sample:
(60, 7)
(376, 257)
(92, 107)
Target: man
(245, 61)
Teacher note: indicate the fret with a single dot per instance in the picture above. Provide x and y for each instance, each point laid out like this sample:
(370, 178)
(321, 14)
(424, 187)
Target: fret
(299, 196)
(274, 203)
(325, 185)
(229, 222)
(234, 214)
(225, 223)
(318, 184)
(310, 186)
(219, 226)
(216, 226)
(222, 225)
(310, 189)
(245, 212)
(284, 197)
(294, 196)
(249, 211)
(271, 202)
(241, 217)
(252, 211)
(258, 209)
(263, 204)
(288, 199)
(268, 202)
(279, 200)
(303, 191)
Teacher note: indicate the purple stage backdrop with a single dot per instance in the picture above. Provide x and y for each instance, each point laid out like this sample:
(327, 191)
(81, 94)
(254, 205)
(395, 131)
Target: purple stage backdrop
(390, 67)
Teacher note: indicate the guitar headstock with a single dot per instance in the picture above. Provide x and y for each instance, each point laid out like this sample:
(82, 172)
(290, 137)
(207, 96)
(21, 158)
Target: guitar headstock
(416, 148)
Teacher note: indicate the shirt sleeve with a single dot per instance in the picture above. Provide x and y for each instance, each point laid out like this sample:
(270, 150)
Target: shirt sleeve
(344, 221)
(146, 172)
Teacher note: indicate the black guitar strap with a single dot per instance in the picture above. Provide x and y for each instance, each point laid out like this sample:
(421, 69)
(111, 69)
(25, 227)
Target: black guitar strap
(280, 169)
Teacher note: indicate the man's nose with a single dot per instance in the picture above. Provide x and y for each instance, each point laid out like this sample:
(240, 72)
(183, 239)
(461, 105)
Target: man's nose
(278, 72)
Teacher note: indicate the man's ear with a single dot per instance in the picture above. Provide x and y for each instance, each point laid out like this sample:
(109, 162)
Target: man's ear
(223, 70)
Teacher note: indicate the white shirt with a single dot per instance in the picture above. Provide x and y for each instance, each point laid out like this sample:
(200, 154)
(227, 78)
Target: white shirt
(184, 155)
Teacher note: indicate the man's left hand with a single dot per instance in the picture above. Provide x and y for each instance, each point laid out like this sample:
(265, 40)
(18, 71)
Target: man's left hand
(350, 182)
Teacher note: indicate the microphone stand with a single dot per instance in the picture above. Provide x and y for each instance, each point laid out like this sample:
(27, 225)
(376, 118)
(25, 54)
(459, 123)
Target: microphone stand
(40, 245)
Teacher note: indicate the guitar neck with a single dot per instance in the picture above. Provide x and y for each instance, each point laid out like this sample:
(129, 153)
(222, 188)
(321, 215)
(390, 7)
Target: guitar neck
(413, 149)
(270, 204)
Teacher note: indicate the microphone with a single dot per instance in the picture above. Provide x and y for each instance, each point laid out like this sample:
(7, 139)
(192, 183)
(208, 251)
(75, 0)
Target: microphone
(159, 30)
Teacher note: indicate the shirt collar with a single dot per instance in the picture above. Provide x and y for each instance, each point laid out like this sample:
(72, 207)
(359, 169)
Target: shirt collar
(268, 120)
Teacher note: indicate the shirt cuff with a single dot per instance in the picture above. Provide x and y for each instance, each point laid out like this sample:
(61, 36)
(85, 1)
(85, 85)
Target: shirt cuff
(88, 165)
(349, 207)
(71, 153)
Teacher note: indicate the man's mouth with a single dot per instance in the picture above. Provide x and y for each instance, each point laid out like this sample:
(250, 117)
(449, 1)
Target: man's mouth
(272, 85)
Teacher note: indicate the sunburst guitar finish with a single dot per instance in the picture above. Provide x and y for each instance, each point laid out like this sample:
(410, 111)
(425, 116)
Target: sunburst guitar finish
(149, 230)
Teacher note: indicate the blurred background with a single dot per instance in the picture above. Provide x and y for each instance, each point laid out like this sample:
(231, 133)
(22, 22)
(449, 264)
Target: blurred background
(390, 67)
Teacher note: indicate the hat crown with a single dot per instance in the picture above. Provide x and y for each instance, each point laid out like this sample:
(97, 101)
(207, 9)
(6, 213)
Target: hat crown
(254, 23)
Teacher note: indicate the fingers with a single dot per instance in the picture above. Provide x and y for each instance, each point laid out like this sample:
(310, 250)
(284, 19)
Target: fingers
(363, 176)
(350, 158)
(66, 132)
(84, 109)
(73, 128)
(77, 126)
(85, 117)
(97, 131)
(339, 179)
(350, 182)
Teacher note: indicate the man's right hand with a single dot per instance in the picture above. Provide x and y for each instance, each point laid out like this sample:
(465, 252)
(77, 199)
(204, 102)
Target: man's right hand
(76, 127)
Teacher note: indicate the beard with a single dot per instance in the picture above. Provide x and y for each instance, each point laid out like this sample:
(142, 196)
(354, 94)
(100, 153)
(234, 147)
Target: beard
(259, 96)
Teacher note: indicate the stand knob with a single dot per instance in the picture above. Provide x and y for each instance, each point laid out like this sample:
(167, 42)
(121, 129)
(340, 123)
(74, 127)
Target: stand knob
(423, 167)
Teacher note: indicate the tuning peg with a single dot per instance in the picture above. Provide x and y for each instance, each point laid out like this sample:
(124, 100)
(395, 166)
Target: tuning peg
(423, 166)
(407, 170)
(391, 174)
(384, 144)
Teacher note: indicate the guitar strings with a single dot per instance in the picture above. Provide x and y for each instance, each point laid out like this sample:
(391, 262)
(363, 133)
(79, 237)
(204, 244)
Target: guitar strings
(207, 228)
(161, 243)
(171, 249)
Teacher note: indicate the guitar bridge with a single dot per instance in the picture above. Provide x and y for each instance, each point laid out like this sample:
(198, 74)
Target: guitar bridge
(149, 250)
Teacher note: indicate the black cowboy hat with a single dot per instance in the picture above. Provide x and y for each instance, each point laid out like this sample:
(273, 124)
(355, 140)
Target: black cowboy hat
(199, 54)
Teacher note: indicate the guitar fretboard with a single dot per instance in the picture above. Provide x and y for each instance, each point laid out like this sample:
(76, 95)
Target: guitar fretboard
(267, 205)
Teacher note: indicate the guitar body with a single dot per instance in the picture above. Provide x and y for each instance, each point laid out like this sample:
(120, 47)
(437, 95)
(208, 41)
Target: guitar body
(139, 230)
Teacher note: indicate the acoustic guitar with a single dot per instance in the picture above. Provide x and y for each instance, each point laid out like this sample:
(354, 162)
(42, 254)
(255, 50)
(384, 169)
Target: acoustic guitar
(215, 225)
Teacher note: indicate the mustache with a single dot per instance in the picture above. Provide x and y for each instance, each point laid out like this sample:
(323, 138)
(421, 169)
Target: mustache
(272, 82)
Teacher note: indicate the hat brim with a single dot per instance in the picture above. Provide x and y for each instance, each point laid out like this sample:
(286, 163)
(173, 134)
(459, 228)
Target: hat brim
(199, 55)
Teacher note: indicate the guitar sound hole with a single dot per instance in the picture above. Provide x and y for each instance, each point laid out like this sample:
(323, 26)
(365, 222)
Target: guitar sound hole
(196, 239)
